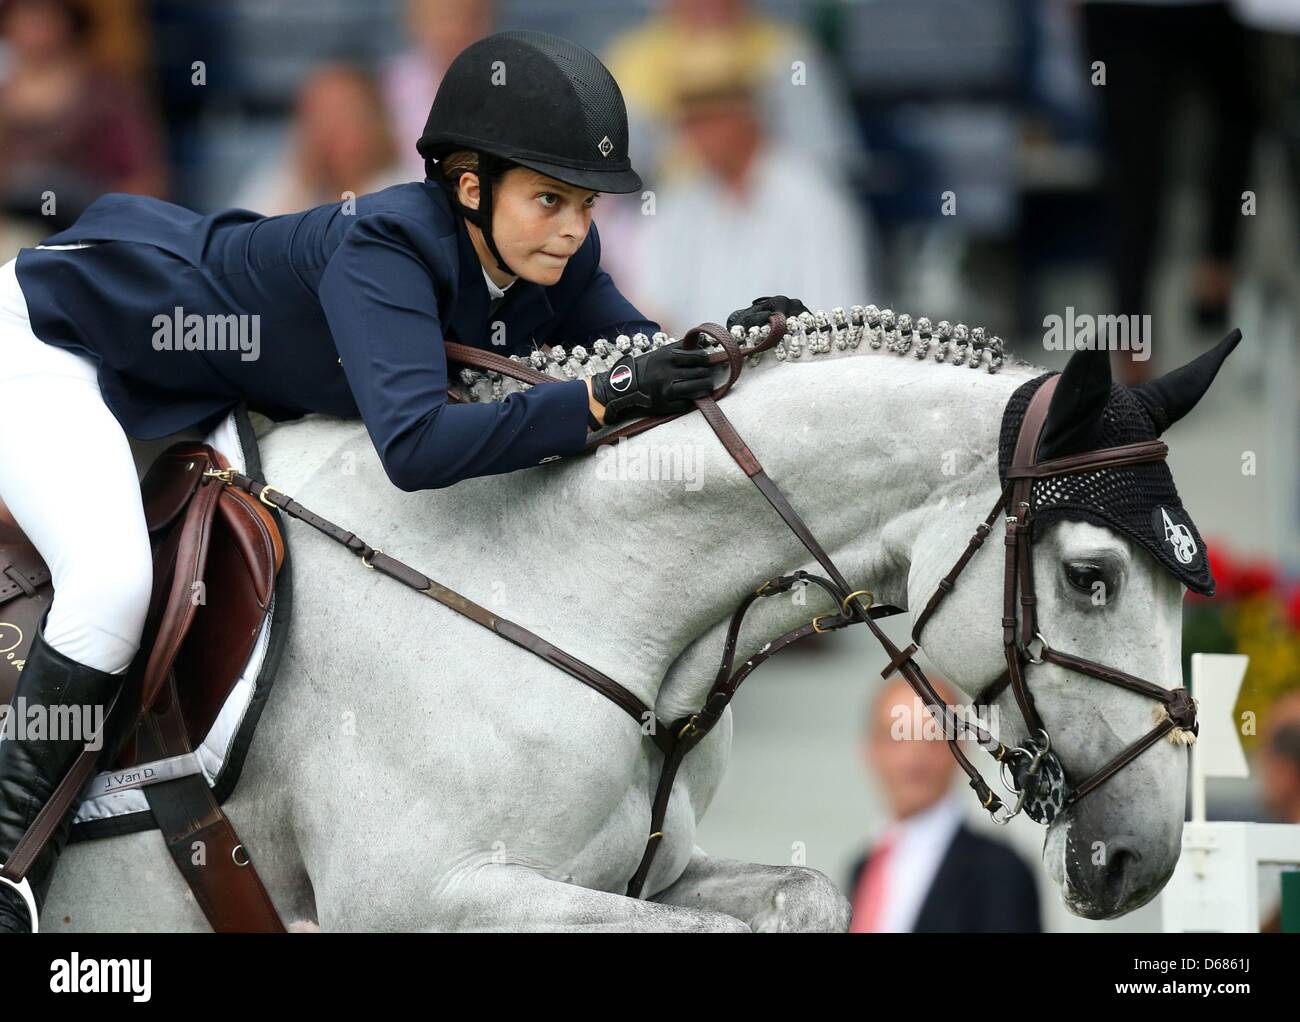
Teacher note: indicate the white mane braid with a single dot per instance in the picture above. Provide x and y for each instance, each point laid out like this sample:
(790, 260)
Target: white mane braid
(819, 333)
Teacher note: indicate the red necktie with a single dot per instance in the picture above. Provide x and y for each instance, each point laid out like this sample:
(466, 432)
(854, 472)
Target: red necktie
(869, 898)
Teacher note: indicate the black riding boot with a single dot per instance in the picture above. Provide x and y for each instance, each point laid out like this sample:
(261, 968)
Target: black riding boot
(31, 767)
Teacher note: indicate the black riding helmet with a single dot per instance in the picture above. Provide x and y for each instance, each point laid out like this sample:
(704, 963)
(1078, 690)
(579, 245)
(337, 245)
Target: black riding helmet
(535, 100)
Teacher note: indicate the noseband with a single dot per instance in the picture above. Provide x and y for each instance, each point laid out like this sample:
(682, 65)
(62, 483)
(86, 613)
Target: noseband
(1036, 775)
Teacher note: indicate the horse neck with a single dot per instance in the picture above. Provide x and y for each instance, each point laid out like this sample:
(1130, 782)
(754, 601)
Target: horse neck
(867, 446)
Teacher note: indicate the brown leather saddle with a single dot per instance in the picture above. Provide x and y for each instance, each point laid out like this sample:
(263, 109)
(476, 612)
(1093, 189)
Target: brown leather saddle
(217, 555)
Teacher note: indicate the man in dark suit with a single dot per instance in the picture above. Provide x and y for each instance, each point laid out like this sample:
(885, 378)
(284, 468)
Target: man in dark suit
(930, 872)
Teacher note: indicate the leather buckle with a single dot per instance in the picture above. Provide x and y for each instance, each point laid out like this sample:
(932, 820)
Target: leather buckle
(24, 890)
(270, 489)
(766, 590)
(818, 619)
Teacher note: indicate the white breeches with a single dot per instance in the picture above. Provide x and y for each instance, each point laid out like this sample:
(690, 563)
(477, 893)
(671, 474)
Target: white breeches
(69, 479)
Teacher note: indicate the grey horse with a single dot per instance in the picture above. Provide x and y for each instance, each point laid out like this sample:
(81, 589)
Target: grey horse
(414, 772)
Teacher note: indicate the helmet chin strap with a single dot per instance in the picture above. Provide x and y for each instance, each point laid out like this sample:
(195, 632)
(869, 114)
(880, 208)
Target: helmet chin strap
(481, 217)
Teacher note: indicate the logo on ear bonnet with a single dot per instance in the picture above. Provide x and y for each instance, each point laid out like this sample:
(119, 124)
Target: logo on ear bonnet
(1176, 536)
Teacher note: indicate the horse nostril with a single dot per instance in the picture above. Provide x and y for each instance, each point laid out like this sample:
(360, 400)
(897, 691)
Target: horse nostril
(1122, 856)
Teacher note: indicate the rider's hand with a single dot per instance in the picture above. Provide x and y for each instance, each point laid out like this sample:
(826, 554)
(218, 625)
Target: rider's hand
(661, 381)
(757, 314)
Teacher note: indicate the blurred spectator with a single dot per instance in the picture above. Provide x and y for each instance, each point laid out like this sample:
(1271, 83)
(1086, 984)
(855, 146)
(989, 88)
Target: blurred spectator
(1269, 15)
(67, 125)
(121, 37)
(747, 217)
(1275, 30)
(439, 30)
(1155, 55)
(929, 872)
(1279, 760)
(341, 142)
(810, 114)
(1278, 770)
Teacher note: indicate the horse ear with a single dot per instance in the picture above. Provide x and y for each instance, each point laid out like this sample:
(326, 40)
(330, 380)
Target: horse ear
(1076, 406)
(1173, 395)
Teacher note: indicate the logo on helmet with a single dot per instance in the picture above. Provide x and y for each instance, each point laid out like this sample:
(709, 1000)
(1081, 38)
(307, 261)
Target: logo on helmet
(1176, 534)
(620, 378)
(606, 146)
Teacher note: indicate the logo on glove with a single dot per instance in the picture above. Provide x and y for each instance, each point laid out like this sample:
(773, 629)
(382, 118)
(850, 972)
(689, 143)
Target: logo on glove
(620, 378)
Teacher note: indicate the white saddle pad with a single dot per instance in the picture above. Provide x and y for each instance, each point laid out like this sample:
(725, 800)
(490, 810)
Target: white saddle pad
(115, 794)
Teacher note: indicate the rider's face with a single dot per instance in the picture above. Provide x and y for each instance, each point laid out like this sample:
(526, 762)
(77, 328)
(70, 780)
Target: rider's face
(538, 223)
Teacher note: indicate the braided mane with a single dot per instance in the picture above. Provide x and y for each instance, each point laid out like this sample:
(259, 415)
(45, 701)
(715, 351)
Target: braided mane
(808, 334)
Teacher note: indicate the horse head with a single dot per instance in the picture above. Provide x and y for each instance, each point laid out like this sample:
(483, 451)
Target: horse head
(1113, 551)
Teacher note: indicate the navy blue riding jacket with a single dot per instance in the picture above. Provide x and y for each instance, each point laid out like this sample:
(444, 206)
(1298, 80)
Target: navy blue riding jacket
(354, 305)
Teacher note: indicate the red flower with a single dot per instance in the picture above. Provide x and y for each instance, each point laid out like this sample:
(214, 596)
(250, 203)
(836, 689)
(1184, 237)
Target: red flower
(1256, 577)
(1293, 608)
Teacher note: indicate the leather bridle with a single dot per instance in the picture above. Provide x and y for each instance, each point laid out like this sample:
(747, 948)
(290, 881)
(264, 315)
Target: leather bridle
(1036, 774)
(1039, 779)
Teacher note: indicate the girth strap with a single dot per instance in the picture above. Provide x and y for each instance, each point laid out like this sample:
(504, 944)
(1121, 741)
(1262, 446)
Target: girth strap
(222, 876)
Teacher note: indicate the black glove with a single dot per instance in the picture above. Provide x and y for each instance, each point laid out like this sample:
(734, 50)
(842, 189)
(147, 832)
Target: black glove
(660, 382)
(758, 313)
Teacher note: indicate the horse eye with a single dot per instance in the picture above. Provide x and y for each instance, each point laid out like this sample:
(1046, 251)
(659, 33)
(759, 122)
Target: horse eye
(1084, 575)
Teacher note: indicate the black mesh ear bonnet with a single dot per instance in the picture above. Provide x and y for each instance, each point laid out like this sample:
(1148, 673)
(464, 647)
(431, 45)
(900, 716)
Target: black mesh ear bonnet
(1140, 501)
